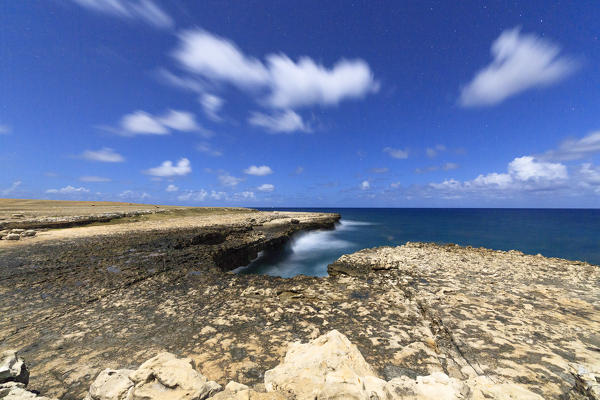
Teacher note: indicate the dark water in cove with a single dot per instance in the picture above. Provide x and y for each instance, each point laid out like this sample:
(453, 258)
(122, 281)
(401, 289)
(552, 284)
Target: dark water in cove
(570, 234)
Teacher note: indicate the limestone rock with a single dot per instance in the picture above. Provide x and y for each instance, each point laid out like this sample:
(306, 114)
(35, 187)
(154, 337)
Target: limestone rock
(111, 385)
(12, 236)
(329, 367)
(12, 368)
(435, 386)
(167, 373)
(237, 391)
(19, 393)
(29, 232)
(587, 382)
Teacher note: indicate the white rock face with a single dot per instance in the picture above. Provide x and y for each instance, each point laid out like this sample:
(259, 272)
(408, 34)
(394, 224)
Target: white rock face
(12, 368)
(111, 385)
(329, 367)
(162, 377)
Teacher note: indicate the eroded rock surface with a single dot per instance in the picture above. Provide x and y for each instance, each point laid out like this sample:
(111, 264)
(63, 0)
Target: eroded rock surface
(77, 306)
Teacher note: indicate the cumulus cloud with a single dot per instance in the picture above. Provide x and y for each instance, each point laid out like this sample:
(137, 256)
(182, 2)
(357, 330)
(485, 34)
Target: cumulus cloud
(433, 151)
(229, 180)
(144, 10)
(172, 188)
(94, 179)
(303, 83)
(11, 188)
(527, 168)
(266, 187)
(364, 185)
(396, 153)
(167, 168)
(523, 174)
(105, 154)
(142, 123)
(202, 195)
(207, 149)
(280, 122)
(134, 195)
(289, 83)
(521, 62)
(211, 105)
(575, 149)
(69, 190)
(258, 170)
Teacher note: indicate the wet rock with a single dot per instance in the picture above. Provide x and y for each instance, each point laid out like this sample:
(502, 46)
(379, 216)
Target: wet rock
(13, 368)
(327, 367)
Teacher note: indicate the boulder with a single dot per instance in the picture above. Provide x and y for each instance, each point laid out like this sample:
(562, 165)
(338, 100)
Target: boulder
(329, 367)
(17, 230)
(166, 373)
(12, 236)
(19, 393)
(111, 385)
(13, 368)
(29, 232)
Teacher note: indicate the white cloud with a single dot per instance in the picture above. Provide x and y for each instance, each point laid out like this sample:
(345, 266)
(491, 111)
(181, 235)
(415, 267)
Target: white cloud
(433, 151)
(11, 188)
(180, 121)
(105, 154)
(94, 179)
(69, 190)
(211, 105)
(244, 195)
(266, 187)
(574, 149)
(133, 195)
(396, 153)
(145, 10)
(528, 168)
(193, 195)
(142, 123)
(219, 59)
(449, 166)
(207, 149)
(4, 129)
(167, 168)
(172, 188)
(258, 171)
(521, 62)
(365, 185)
(202, 195)
(289, 84)
(228, 180)
(523, 174)
(285, 121)
(304, 83)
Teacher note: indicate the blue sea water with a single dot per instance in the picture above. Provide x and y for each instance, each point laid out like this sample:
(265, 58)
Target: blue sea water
(566, 233)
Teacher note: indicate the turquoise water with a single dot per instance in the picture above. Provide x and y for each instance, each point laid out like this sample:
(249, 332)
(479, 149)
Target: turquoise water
(570, 234)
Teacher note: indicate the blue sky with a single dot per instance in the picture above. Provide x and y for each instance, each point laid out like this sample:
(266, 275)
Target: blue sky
(301, 103)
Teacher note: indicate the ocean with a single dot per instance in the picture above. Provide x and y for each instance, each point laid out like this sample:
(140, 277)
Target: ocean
(573, 234)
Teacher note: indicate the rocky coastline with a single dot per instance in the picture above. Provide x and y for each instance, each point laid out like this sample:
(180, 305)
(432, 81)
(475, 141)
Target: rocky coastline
(75, 302)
